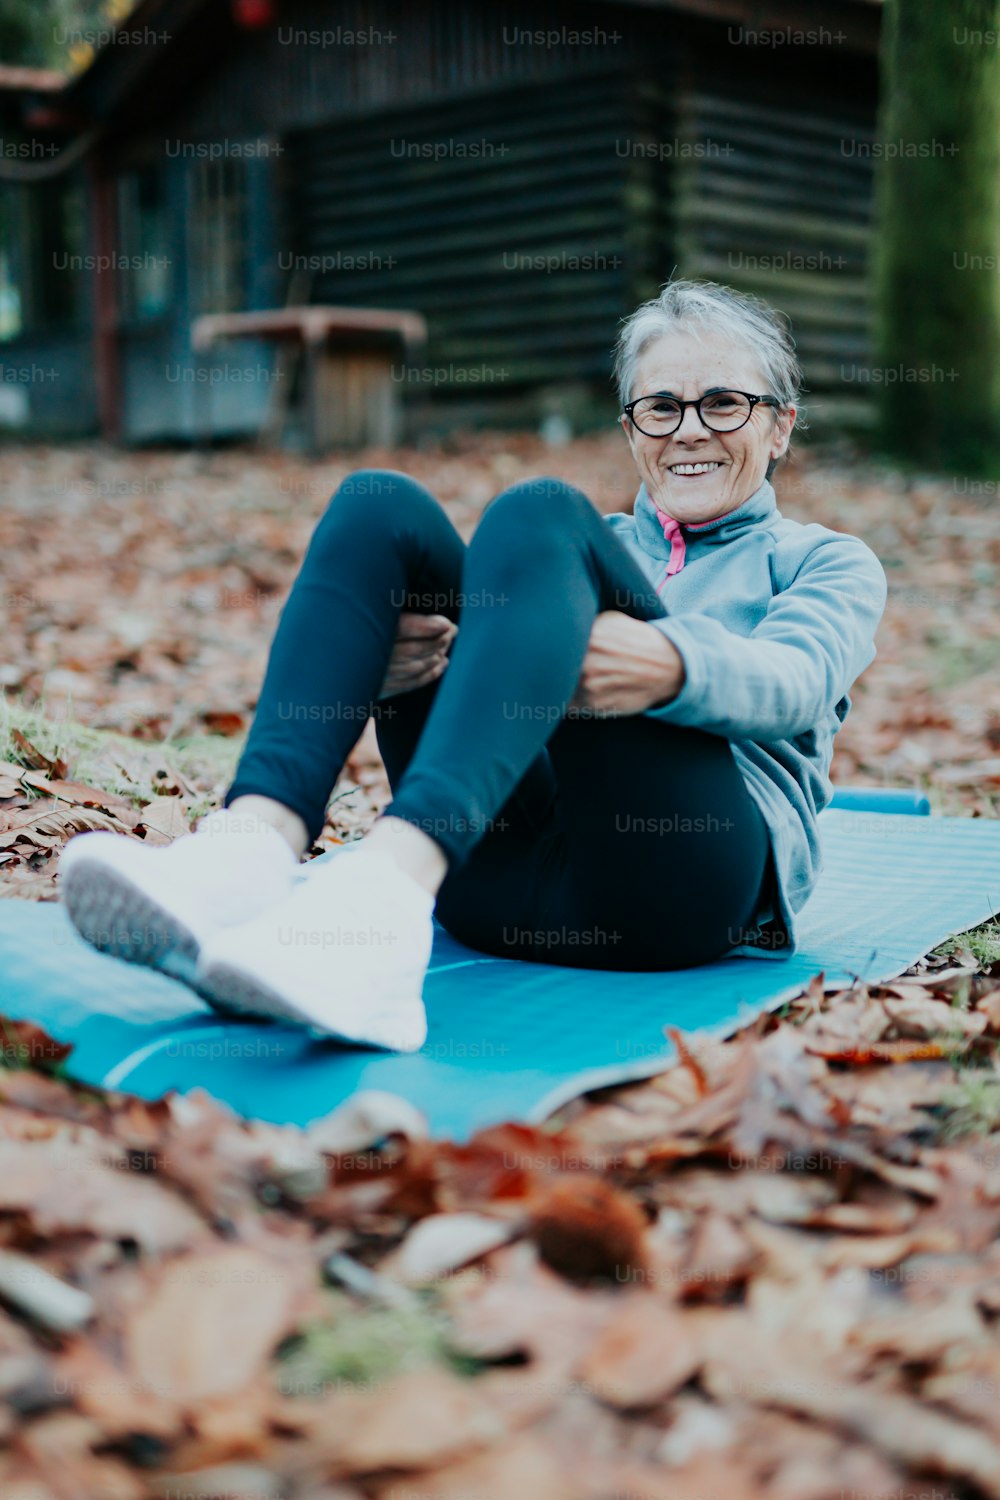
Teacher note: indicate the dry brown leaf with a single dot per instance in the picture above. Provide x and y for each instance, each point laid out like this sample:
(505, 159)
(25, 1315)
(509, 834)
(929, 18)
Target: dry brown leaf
(443, 1242)
(522, 1307)
(925, 1335)
(917, 1015)
(864, 1218)
(720, 1253)
(11, 783)
(77, 792)
(989, 1006)
(525, 1467)
(209, 1321)
(876, 1252)
(166, 815)
(50, 825)
(62, 1185)
(420, 1419)
(36, 757)
(60, 1446)
(585, 1228)
(111, 1397)
(644, 1354)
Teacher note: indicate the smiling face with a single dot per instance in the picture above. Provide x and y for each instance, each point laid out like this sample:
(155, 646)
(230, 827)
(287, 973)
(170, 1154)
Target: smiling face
(693, 474)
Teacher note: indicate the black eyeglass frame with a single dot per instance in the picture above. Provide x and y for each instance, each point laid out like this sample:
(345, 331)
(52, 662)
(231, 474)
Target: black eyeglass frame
(755, 401)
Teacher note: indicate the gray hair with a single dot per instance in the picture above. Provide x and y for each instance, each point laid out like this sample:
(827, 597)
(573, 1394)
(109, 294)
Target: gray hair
(748, 320)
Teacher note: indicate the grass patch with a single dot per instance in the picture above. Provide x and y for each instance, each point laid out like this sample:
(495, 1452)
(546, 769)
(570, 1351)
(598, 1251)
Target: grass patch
(359, 1347)
(113, 762)
(954, 660)
(983, 942)
(972, 1108)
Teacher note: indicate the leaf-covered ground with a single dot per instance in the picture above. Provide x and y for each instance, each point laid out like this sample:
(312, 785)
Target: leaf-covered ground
(773, 1271)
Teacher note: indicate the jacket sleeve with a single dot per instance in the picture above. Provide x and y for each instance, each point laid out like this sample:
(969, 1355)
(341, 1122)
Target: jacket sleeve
(781, 680)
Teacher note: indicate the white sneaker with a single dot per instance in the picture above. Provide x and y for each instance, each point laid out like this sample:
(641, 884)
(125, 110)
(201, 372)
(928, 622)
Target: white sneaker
(158, 905)
(345, 954)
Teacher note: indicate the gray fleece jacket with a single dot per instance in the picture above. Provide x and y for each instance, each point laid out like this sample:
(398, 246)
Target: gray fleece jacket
(774, 621)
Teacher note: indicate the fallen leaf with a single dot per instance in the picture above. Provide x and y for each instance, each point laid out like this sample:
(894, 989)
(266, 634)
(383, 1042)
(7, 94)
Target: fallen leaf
(585, 1228)
(443, 1242)
(525, 1467)
(366, 1118)
(61, 1185)
(36, 757)
(643, 1355)
(77, 792)
(416, 1420)
(166, 815)
(211, 1318)
(937, 1331)
(219, 721)
(920, 1016)
(989, 1006)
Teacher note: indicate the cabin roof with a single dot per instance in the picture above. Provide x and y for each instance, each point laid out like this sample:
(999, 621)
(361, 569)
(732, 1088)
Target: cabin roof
(173, 42)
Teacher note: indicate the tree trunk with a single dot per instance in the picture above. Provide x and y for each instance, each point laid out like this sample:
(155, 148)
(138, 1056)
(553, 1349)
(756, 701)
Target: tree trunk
(937, 237)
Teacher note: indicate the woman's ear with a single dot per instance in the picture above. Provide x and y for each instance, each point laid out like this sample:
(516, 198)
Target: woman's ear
(784, 421)
(629, 432)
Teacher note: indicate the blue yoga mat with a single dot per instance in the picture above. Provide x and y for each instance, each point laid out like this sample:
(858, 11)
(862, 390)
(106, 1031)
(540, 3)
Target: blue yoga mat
(509, 1040)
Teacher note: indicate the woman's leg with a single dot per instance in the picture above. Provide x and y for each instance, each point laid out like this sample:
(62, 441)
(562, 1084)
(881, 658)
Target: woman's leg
(383, 545)
(663, 851)
(498, 882)
(467, 757)
(627, 843)
(540, 568)
(654, 858)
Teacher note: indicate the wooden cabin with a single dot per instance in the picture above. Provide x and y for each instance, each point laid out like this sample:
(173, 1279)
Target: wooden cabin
(521, 174)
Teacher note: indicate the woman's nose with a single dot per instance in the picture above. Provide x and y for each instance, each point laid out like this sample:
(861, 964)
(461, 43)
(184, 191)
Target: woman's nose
(691, 425)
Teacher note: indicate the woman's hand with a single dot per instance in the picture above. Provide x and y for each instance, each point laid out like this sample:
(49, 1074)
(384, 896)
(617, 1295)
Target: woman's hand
(419, 653)
(628, 667)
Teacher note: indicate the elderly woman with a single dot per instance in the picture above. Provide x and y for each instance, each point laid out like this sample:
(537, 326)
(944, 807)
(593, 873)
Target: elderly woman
(607, 739)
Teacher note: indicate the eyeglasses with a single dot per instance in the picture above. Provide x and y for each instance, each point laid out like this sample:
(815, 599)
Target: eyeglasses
(719, 411)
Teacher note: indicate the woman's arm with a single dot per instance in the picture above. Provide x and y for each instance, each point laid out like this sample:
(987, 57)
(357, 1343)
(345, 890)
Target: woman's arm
(815, 640)
(629, 666)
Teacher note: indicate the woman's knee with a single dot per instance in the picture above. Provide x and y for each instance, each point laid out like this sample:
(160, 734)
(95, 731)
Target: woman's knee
(379, 505)
(541, 504)
(380, 497)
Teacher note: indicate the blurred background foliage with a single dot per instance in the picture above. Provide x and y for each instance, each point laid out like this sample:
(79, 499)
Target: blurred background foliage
(56, 33)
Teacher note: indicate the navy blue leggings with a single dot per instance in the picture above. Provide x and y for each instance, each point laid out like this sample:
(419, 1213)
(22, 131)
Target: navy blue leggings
(604, 842)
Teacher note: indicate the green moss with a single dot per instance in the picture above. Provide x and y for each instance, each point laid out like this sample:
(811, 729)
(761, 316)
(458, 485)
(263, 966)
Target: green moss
(972, 1108)
(937, 293)
(953, 659)
(360, 1347)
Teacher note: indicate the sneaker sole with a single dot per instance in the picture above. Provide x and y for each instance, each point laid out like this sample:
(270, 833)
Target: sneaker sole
(231, 989)
(117, 917)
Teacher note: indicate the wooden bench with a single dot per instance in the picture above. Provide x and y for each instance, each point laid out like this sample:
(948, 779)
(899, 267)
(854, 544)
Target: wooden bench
(351, 397)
